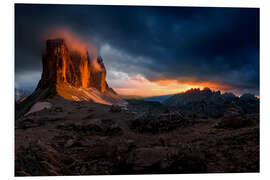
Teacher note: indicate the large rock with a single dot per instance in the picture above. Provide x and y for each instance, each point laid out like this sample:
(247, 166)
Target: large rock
(79, 69)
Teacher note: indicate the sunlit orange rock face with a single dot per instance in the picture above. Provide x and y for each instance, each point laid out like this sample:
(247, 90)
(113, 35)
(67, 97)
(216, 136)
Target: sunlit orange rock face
(76, 68)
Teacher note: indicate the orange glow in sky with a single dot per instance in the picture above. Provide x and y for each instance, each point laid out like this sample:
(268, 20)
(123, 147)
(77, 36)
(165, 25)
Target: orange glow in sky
(140, 86)
(136, 85)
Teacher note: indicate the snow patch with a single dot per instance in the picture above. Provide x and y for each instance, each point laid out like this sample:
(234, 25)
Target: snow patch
(38, 107)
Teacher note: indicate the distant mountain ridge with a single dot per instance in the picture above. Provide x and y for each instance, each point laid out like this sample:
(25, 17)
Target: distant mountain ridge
(211, 103)
(20, 94)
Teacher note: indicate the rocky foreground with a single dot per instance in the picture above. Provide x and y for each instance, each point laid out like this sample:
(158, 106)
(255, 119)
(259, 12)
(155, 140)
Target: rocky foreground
(86, 138)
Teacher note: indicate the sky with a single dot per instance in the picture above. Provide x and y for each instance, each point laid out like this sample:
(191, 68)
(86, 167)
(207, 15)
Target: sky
(149, 51)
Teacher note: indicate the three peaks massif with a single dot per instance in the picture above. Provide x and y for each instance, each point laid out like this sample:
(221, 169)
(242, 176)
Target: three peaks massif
(72, 74)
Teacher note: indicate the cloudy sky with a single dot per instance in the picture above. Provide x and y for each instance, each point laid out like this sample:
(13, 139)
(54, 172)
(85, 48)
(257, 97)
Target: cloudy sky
(149, 50)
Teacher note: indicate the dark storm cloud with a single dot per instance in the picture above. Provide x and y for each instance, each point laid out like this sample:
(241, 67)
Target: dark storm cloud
(209, 44)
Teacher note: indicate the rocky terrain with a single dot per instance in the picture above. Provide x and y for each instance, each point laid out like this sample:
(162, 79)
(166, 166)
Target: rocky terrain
(75, 124)
(86, 138)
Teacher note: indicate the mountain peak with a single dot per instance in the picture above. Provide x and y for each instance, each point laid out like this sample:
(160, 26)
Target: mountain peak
(53, 43)
(62, 64)
(73, 74)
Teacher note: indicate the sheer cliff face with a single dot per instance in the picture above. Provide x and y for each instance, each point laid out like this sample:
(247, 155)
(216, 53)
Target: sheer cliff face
(62, 65)
(73, 74)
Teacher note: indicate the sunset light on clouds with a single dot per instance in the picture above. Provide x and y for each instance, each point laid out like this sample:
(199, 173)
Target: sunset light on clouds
(138, 85)
(149, 53)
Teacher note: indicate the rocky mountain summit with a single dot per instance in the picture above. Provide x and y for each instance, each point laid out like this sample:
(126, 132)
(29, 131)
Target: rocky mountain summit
(78, 69)
(73, 74)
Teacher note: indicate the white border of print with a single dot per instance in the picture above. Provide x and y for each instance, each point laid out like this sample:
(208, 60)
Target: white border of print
(7, 84)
